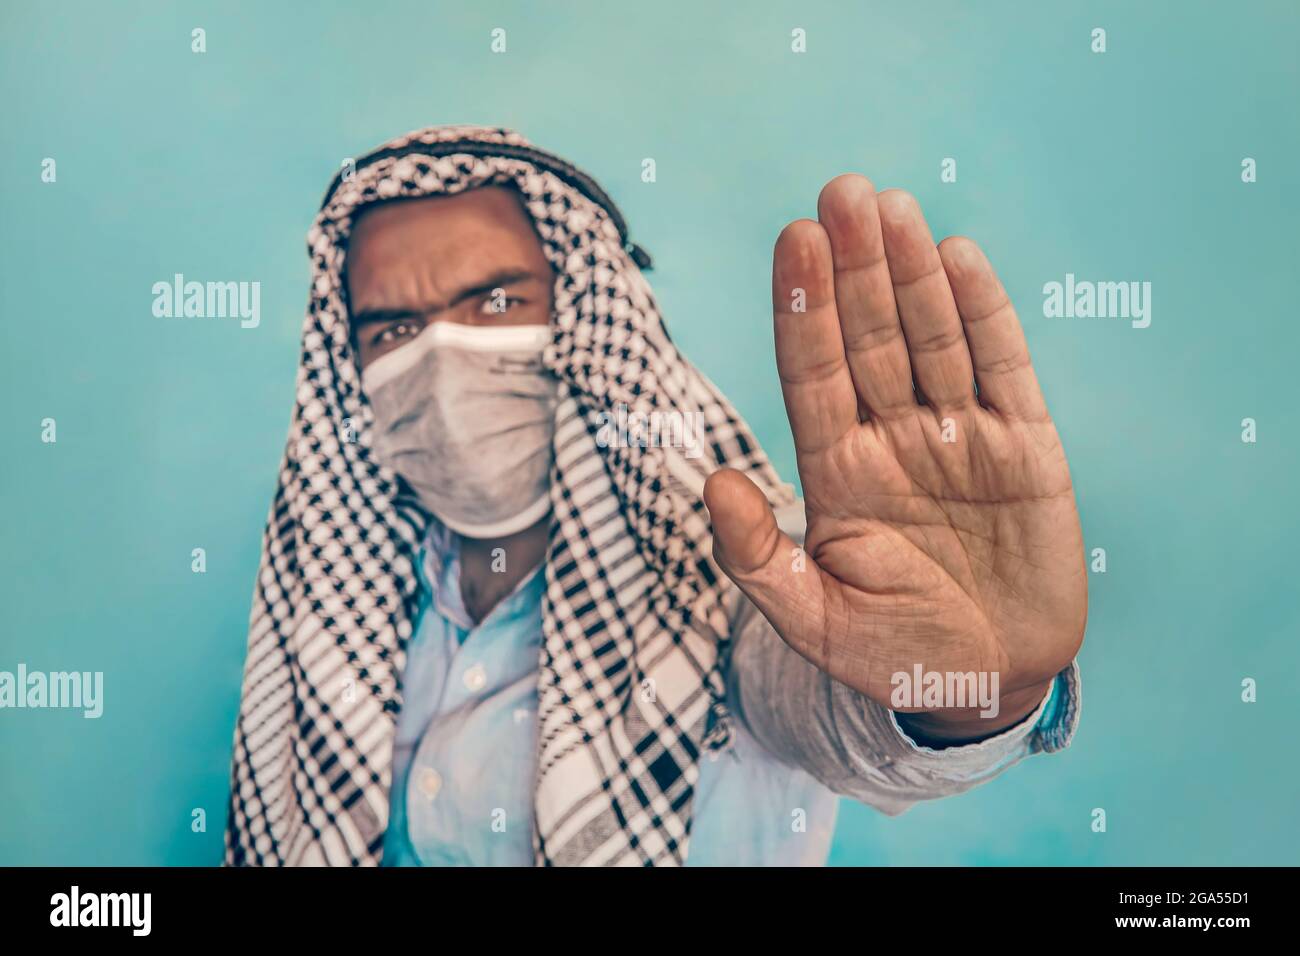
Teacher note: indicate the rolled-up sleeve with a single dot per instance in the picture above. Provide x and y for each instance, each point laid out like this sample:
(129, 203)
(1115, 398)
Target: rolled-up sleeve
(854, 746)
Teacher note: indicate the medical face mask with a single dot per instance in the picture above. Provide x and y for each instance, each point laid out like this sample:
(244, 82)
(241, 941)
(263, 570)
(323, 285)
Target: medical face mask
(466, 414)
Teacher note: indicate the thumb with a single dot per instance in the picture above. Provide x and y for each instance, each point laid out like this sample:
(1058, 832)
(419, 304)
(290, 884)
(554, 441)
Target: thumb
(773, 572)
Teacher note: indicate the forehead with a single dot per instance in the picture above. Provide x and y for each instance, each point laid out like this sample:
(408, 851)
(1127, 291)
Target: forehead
(442, 240)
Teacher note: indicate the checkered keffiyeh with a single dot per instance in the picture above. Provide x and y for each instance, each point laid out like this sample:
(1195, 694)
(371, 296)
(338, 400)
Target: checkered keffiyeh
(634, 619)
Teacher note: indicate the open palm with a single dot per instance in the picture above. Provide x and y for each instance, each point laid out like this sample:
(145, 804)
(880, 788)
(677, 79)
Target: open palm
(942, 528)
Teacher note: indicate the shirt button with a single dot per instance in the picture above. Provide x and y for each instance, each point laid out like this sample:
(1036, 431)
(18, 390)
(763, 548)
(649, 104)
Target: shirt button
(430, 782)
(475, 677)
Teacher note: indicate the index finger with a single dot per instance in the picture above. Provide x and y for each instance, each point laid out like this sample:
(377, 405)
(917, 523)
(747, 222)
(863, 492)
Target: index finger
(819, 397)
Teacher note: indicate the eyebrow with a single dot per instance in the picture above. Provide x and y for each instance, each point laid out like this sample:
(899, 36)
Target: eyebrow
(500, 280)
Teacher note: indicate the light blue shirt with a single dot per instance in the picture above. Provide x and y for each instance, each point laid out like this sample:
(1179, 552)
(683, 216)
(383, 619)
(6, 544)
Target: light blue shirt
(465, 750)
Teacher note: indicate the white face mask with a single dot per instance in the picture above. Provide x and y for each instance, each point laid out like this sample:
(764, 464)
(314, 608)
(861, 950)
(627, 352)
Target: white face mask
(466, 415)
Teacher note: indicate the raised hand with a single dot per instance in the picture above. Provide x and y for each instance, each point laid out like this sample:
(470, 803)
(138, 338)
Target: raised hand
(942, 528)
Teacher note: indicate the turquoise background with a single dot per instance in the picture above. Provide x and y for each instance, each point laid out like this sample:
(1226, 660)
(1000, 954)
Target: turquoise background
(1121, 166)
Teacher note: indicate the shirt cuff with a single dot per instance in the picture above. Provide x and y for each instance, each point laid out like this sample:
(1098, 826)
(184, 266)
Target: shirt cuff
(1048, 729)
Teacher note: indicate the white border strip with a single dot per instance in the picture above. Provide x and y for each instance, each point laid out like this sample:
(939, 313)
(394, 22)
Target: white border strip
(472, 338)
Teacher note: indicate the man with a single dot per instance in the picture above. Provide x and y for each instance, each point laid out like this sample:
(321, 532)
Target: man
(490, 629)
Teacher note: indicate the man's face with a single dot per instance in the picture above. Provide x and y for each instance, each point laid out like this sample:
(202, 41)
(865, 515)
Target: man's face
(471, 258)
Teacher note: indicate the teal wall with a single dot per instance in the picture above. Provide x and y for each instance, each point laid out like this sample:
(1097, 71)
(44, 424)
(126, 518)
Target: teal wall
(1119, 166)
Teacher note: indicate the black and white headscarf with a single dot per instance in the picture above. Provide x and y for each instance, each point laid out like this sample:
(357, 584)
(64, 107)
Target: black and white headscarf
(634, 620)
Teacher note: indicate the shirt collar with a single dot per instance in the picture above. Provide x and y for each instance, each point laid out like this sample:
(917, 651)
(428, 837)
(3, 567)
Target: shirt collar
(439, 571)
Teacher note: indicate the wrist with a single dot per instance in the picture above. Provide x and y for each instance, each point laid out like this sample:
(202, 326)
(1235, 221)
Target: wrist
(946, 727)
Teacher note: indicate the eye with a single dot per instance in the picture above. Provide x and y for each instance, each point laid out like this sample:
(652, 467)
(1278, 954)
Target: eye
(394, 331)
(499, 304)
